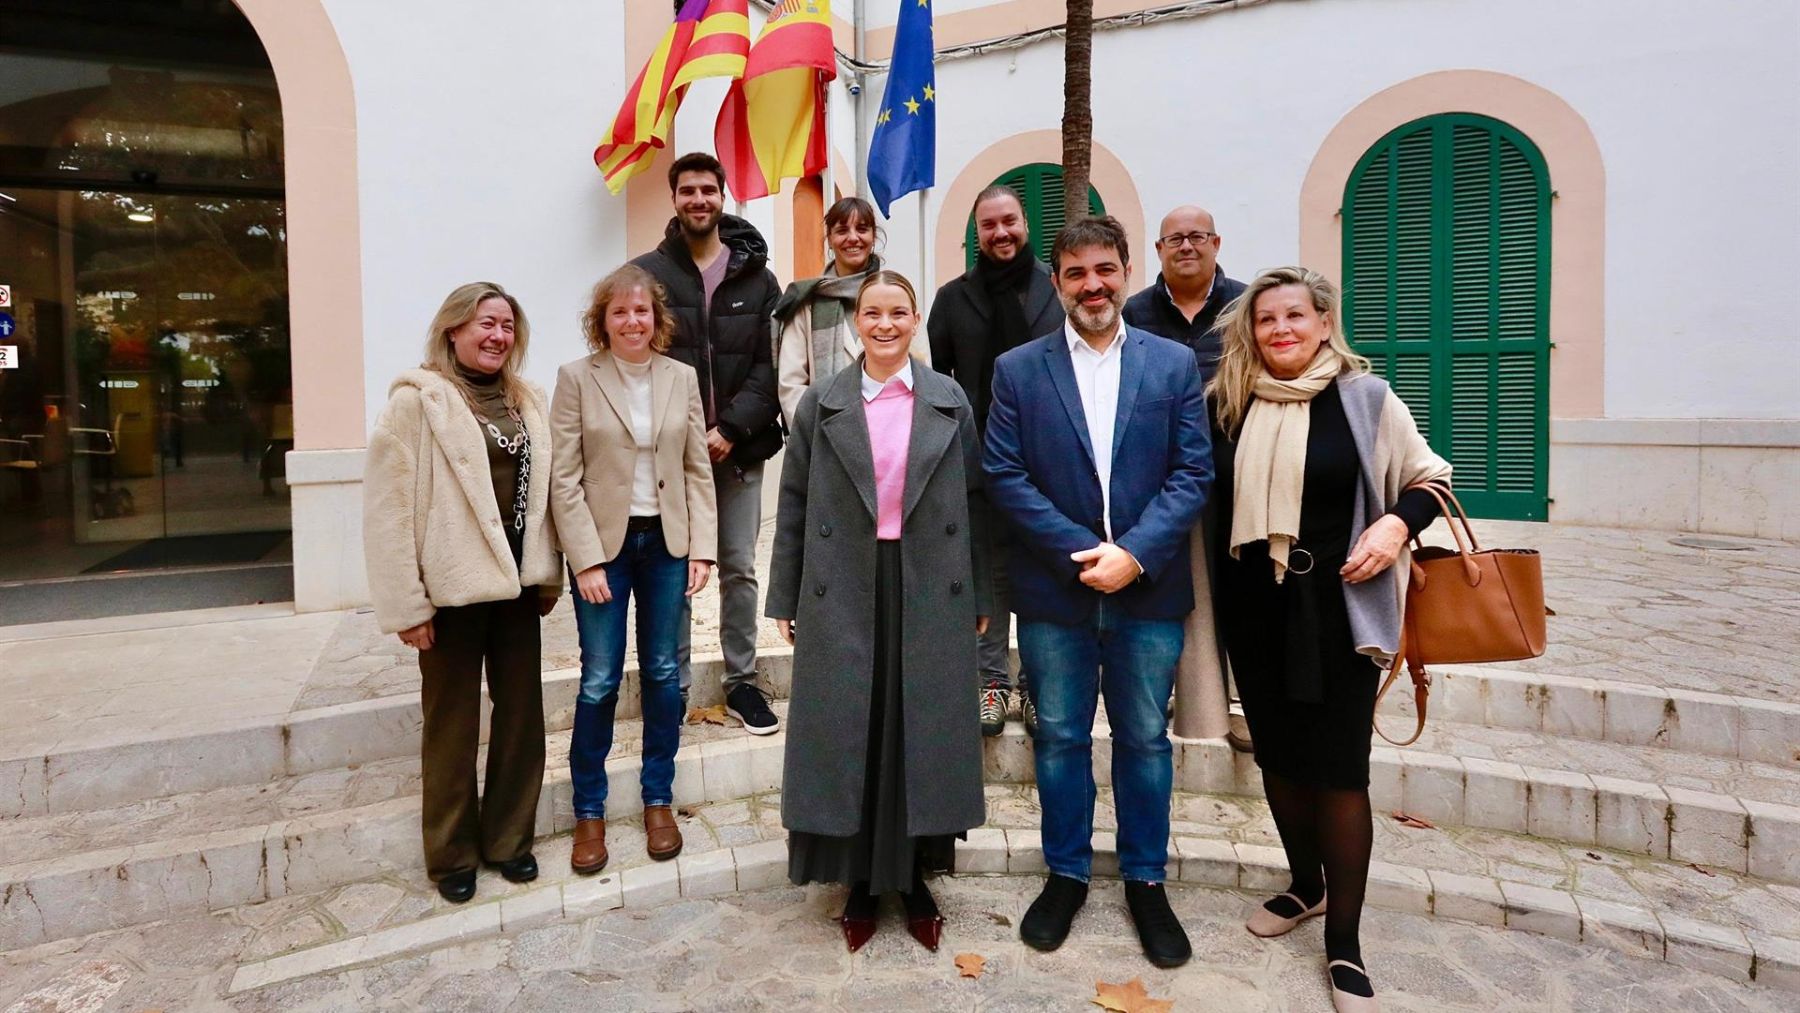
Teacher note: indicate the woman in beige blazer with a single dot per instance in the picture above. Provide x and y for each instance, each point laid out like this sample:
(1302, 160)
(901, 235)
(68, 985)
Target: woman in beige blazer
(462, 563)
(632, 495)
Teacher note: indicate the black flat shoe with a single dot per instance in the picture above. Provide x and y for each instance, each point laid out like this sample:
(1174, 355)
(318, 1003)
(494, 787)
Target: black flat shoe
(457, 887)
(1046, 922)
(1165, 943)
(522, 869)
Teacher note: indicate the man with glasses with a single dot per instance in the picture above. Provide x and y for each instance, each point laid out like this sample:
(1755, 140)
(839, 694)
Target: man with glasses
(1184, 303)
(1184, 306)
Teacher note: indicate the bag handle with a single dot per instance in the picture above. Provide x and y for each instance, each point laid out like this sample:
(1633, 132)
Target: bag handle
(1421, 680)
(1466, 545)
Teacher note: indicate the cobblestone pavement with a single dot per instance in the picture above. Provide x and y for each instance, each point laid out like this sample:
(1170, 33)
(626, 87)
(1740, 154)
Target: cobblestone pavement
(1631, 606)
(778, 950)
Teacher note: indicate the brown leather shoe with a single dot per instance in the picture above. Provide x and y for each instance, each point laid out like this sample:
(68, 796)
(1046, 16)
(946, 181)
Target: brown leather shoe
(662, 838)
(590, 854)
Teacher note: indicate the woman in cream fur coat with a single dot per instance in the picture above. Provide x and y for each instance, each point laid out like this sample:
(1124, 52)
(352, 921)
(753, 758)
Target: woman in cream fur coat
(462, 565)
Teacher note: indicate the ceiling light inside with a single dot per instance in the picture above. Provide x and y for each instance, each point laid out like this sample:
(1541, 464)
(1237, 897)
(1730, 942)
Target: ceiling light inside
(142, 216)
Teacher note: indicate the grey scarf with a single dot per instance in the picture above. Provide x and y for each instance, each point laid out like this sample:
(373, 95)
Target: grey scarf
(832, 296)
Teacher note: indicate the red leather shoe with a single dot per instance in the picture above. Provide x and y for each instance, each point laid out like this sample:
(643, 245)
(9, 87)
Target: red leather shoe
(857, 931)
(928, 930)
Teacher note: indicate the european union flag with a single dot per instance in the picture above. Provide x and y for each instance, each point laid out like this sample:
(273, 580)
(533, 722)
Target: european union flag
(903, 151)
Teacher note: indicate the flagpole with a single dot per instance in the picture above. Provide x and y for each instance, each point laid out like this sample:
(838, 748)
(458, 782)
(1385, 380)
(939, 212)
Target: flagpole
(925, 281)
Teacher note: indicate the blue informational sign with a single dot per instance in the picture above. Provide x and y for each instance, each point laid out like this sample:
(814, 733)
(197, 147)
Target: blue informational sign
(6, 325)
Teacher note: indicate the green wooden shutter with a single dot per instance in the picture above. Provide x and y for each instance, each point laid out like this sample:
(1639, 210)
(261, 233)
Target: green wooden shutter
(1040, 185)
(1446, 289)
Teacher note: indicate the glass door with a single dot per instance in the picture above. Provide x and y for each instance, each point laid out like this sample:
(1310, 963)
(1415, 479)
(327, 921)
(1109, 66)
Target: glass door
(148, 419)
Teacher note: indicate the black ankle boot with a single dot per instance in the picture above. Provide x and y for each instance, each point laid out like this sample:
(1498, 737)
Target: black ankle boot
(1046, 922)
(522, 869)
(457, 887)
(1160, 933)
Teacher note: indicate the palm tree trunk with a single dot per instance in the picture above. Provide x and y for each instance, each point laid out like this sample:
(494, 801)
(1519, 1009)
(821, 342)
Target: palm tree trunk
(1078, 112)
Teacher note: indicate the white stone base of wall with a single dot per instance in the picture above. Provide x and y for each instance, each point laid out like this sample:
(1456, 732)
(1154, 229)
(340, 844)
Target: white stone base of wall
(327, 496)
(1726, 476)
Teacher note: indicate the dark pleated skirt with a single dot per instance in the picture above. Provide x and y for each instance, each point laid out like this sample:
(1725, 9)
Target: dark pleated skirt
(881, 853)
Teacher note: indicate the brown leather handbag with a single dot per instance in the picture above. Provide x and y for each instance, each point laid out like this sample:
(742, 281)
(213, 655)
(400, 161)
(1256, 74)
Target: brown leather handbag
(1465, 605)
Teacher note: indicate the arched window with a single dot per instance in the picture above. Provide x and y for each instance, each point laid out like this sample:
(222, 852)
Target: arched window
(1447, 291)
(1040, 184)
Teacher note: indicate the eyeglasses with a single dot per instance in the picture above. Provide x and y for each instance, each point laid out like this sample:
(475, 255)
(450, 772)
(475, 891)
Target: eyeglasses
(1176, 240)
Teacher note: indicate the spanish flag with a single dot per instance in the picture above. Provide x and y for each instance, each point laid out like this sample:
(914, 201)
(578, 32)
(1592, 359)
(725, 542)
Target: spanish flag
(710, 38)
(772, 125)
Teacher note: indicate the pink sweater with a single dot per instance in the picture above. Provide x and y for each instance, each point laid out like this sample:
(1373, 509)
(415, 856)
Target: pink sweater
(890, 436)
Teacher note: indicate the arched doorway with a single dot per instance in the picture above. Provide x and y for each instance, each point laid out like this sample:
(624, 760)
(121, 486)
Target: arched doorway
(1040, 187)
(143, 238)
(1446, 272)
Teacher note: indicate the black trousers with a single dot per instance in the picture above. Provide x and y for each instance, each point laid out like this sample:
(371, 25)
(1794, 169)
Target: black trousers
(462, 828)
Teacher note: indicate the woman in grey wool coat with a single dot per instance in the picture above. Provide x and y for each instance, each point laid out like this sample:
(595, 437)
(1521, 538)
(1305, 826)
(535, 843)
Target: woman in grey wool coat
(876, 581)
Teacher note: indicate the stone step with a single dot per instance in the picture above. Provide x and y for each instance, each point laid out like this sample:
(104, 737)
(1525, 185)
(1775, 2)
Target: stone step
(231, 846)
(304, 742)
(325, 738)
(1719, 813)
(1632, 714)
(73, 874)
(1720, 922)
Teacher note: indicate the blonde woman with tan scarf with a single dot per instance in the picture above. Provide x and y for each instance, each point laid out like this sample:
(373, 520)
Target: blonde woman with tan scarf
(1313, 455)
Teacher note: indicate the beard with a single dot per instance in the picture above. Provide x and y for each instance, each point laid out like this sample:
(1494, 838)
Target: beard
(1099, 320)
(699, 228)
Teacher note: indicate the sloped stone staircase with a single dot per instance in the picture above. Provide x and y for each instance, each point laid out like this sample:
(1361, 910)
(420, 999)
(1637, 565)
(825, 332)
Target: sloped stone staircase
(1659, 823)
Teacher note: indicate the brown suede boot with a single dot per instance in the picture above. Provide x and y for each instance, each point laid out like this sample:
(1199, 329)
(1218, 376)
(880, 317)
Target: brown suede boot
(662, 838)
(590, 854)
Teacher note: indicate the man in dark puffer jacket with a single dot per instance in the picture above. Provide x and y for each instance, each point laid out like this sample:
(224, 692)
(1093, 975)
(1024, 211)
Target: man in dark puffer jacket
(714, 269)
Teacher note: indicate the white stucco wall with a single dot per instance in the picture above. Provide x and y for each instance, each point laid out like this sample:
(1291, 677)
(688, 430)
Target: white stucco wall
(1692, 106)
(476, 128)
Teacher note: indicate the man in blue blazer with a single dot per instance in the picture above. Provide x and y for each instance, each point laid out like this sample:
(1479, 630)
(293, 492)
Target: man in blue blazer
(1098, 453)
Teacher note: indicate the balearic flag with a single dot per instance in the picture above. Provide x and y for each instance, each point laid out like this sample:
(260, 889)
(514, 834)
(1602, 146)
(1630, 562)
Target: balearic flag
(772, 125)
(710, 38)
(903, 150)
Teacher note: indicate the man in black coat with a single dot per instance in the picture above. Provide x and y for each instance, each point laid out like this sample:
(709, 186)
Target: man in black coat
(714, 268)
(1004, 301)
(1184, 303)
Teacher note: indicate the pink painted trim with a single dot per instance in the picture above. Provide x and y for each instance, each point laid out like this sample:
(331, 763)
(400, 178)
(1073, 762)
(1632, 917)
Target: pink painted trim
(1577, 213)
(1108, 175)
(318, 108)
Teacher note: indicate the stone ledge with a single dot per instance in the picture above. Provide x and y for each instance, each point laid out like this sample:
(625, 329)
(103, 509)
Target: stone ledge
(77, 894)
(1204, 863)
(302, 742)
(1713, 724)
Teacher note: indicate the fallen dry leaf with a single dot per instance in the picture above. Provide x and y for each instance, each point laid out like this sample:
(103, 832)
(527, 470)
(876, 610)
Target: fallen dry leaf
(970, 965)
(714, 715)
(1128, 998)
(1703, 872)
(1416, 822)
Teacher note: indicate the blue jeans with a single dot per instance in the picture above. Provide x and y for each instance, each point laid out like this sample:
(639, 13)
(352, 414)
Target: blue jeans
(1131, 662)
(643, 568)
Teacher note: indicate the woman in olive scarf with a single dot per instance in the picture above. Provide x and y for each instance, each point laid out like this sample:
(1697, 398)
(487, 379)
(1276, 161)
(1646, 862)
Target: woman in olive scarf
(814, 335)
